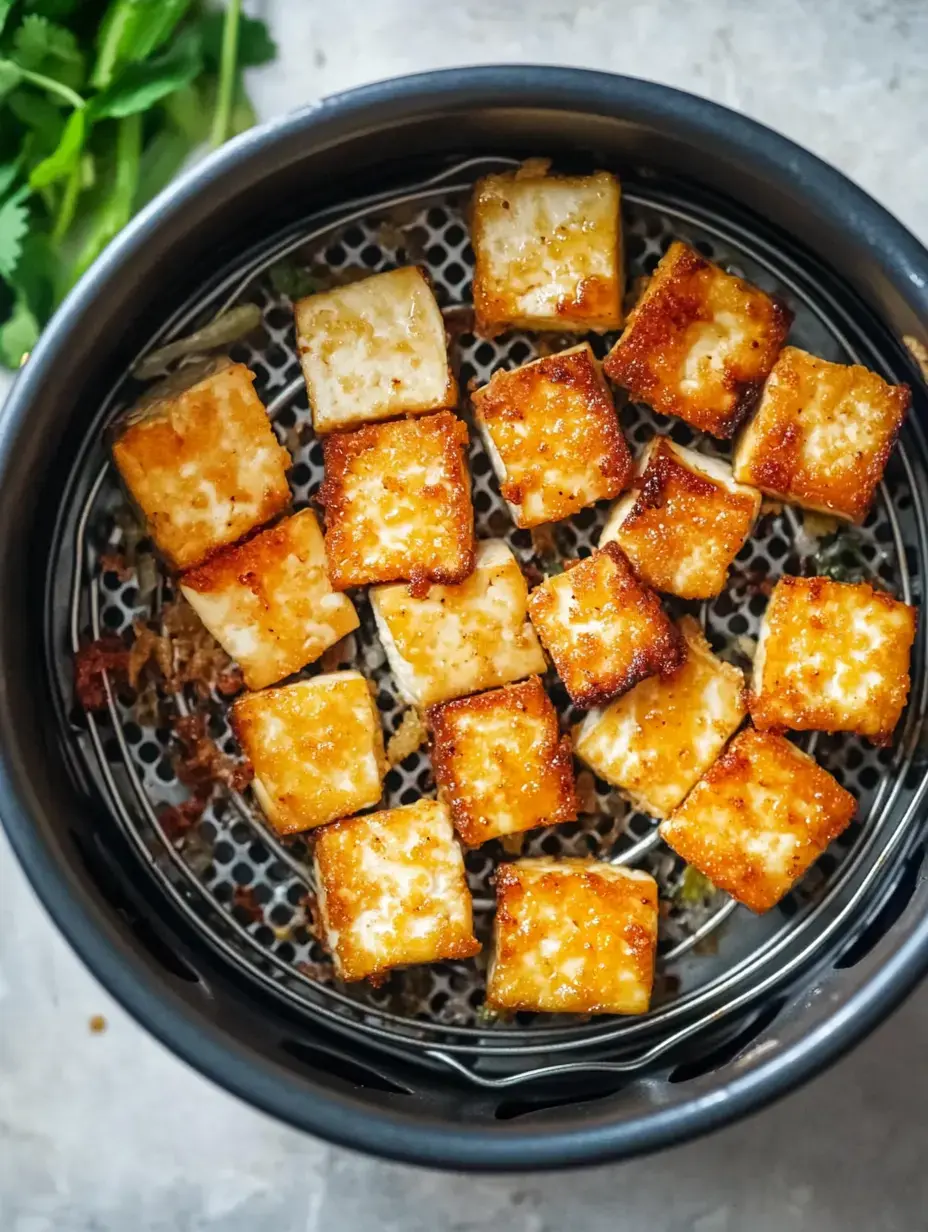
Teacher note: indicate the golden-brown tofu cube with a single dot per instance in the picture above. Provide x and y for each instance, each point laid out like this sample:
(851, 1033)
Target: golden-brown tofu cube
(573, 936)
(316, 747)
(392, 890)
(759, 818)
(832, 656)
(460, 639)
(553, 436)
(654, 743)
(699, 343)
(822, 434)
(203, 466)
(684, 522)
(547, 251)
(397, 503)
(374, 349)
(501, 763)
(604, 630)
(268, 601)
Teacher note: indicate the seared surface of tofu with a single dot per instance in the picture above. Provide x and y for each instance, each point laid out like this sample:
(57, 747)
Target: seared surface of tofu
(832, 656)
(374, 349)
(684, 522)
(573, 936)
(553, 436)
(762, 814)
(269, 603)
(822, 434)
(203, 466)
(501, 763)
(547, 252)
(316, 747)
(604, 630)
(699, 343)
(397, 503)
(392, 890)
(656, 741)
(460, 639)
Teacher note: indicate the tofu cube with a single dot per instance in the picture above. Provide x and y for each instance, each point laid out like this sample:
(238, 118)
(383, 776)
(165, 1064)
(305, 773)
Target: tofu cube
(316, 747)
(268, 601)
(604, 630)
(392, 890)
(573, 936)
(553, 436)
(547, 251)
(684, 522)
(699, 344)
(762, 814)
(203, 466)
(832, 656)
(501, 763)
(460, 639)
(397, 503)
(822, 434)
(655, 743)
(374, 349)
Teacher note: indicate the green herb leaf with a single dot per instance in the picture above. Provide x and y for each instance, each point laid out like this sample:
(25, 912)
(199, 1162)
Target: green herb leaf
(255, 45)
(51, 8)
(130, 31)
(38, 39)
(14, 223)
(36, 273)
(41, 115)
(293, 280)
(140, 86)
(5, 6)
(162, 158)
(10, 77)
(115, 209)
(8, 175)
(66, 156)
(18, 335)
(695, 889)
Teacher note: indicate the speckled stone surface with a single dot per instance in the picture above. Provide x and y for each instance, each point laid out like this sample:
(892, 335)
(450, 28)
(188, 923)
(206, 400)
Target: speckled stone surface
(106, 1132)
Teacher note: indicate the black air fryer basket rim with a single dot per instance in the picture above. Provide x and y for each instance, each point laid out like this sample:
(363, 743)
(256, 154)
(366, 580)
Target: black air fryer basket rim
(808, 1041)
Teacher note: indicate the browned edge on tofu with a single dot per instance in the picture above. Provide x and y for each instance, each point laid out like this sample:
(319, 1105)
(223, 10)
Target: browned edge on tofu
(669, 304)
(528, 696)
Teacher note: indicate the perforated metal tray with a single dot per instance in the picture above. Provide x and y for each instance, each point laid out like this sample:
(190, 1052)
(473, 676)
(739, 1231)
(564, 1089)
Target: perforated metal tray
(713, 960)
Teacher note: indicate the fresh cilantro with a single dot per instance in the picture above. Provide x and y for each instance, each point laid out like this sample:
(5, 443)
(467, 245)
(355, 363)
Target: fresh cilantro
(292, 280)
(101, 103)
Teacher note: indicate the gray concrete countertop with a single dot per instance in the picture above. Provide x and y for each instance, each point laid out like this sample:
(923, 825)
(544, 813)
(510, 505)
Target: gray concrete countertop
(107, 1132)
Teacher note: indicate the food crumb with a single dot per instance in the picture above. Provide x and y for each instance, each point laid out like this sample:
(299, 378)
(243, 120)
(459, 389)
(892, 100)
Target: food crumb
(97, 1024)
(408, 737)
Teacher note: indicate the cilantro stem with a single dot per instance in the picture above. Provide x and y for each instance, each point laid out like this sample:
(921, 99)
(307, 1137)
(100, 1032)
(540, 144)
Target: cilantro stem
(227, 65)
(52, 86)
(68, 205)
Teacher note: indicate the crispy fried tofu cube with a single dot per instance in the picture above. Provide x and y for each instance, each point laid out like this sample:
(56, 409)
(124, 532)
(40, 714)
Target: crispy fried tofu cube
(573, 936)
(374, 349)
(604, 630)
(268, 601)
(392, 890)
(684, 522)
(553, 436)
(822, 434)
(699, 343)
(203, 466)
(397, 503)
(762, 814)
(460, 639)
(832, 656)
(501, 763)
(548, 251)
(654, 743)
(316, 747)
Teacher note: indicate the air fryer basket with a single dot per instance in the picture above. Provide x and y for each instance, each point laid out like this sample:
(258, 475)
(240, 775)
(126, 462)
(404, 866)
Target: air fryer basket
(414, 1069)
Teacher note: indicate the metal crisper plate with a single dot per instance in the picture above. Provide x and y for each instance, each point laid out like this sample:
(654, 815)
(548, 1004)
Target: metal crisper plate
(714, 959)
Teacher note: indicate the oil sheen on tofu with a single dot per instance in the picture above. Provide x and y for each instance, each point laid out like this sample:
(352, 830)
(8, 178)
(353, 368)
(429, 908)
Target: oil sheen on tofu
(269, 603)
(573, 936)
(547, 251)
(374, 349)
(203, 466)
(655, 742)
(460, 639)
(392, 890)
(316, 747)
(763, 813)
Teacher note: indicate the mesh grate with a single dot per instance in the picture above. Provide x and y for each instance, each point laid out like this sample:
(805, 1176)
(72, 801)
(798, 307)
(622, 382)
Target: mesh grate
(231, 851)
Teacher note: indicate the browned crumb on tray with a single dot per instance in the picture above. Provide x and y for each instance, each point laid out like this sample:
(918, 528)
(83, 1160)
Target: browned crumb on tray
(200, 763)
(409, 736)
